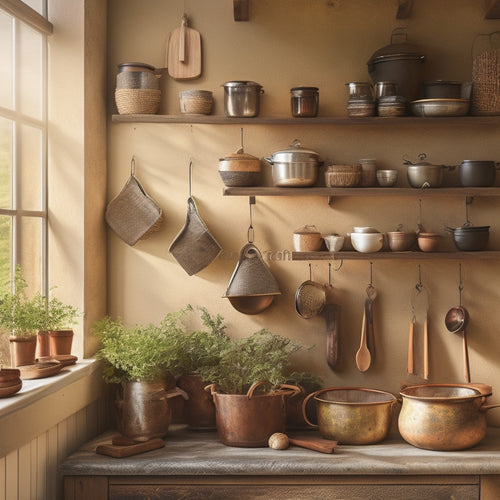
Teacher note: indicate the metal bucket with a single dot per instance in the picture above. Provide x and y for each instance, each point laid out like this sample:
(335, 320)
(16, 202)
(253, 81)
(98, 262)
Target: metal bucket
(248, 420)
(144, 412)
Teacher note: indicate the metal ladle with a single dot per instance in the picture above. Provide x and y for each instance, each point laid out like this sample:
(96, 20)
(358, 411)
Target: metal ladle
(456, 321)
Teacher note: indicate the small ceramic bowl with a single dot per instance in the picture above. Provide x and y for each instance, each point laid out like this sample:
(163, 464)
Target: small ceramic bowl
(428, 242)
(334, 242)
(367, 242)
(365, 229)
(387, 178)
(401, 241)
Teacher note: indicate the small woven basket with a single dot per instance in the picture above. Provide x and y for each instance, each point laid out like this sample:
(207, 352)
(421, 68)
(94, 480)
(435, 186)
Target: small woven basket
(137, 101)
(196, 102)
(343, 175)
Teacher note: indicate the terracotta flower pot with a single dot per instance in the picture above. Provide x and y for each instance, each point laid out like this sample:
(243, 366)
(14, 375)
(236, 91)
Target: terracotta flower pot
(43, 344)
(60, 342)
(22, 350)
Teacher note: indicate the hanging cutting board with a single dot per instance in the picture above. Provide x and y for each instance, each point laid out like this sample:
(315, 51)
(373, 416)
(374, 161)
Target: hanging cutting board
(183, 54)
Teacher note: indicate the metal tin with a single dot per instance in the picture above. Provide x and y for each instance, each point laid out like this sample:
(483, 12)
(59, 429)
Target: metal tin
(242, 99)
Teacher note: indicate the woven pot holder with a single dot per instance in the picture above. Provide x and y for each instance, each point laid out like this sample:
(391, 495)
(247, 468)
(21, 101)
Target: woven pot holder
(132, 214)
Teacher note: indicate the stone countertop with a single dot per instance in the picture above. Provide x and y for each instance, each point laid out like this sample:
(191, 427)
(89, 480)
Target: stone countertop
(201, 453)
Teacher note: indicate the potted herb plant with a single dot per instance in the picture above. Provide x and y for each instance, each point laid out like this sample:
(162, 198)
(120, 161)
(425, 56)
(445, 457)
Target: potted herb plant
(142, 362)
(55, 319)
(19, 318)
(248, 388)
(202, 349)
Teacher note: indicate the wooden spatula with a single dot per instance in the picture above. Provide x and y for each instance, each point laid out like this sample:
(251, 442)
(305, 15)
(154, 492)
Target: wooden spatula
(183, 53)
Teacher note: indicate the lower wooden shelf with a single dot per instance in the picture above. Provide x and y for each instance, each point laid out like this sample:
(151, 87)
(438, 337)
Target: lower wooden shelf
(410, 255)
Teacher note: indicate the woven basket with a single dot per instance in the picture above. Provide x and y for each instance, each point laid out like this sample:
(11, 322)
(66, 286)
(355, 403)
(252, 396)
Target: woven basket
(132, 214)
(486, 83)
(343, 175)
(196, 102)
(137, 101)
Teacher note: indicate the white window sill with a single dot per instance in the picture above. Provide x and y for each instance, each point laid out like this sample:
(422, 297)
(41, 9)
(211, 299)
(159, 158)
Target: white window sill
(36, 389)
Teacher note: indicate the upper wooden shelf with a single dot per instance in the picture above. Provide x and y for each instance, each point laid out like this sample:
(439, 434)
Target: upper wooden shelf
(346, 255)
(319, 120)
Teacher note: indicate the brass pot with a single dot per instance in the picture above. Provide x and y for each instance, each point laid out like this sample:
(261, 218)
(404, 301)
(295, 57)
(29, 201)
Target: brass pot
(443, 416)
(352, 415)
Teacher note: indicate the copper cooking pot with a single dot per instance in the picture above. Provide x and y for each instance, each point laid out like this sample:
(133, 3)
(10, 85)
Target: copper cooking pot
(443, 416)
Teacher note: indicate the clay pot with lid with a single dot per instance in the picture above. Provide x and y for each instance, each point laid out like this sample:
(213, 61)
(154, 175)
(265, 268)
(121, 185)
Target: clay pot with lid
(240, 169)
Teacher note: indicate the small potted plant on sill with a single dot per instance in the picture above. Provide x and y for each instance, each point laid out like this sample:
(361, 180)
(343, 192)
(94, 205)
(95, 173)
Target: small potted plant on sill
(248, 387)
(19, 318)
(202, 349)
(55, 335)
(141, 361)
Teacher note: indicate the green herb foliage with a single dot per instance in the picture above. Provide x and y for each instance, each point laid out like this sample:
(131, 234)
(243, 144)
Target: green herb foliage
(18, 313)
(140, 353)
(262, 356)
(202, 348)
(54, 314)
(307, 380)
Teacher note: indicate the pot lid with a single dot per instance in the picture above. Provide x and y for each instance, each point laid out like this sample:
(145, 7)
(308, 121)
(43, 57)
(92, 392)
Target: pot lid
(304, 89)
(295, 153)
(123, 66)
(240, 155)
(401, 50)
(242, 83)
(306, 230)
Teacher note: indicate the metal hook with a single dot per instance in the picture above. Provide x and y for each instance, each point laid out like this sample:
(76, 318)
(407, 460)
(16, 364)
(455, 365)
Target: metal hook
(190, 175)
(132, 166)
(371, 274)
(338, 268)
(250, 232)
(460, 285)
(310, 272)
(241, 138)
(419, 285)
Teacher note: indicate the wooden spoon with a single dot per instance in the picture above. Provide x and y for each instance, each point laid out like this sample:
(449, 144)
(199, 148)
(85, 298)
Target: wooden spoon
(363, 356)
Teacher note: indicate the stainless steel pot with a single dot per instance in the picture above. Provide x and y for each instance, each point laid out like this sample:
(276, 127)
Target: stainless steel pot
(443, 416)
(477, 173)
(424, 174)
(242, 98)
(295, 167)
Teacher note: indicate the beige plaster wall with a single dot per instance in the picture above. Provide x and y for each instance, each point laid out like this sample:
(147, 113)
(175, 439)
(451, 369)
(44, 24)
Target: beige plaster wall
(287, 43)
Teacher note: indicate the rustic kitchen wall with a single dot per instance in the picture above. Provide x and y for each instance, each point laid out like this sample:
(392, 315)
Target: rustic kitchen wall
(324, 43)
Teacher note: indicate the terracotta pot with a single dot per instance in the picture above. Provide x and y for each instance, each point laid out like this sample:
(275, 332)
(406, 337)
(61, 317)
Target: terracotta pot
(199, 408)
(144, 411)
(61, 342)
(247, 420)
(22, 350)
(43, 344)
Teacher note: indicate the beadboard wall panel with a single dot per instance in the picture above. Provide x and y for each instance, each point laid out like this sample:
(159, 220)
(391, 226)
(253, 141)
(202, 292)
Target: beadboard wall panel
(31, 471)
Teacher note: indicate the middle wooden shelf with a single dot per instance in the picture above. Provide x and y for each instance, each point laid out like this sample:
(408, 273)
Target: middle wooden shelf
(389, 255)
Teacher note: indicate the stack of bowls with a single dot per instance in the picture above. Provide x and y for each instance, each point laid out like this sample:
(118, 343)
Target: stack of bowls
(361, 100)
(10, 381)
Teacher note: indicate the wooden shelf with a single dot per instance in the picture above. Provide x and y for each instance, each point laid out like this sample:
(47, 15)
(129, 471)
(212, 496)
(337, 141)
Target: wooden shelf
(376, 191)
(319, 120)
(345, 255)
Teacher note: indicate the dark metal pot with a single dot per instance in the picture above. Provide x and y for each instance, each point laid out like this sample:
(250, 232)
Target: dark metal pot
(248, 420)
(443, 416)
(400, 63)
(478, 173)
(295, 167)
(352, 415)
(470, 238)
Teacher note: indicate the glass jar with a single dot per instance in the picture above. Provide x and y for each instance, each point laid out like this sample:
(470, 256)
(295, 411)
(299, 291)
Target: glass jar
(304, 101)
(360, 91)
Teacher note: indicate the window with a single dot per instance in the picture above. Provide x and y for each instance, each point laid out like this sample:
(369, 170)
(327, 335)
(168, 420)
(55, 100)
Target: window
(23, 143)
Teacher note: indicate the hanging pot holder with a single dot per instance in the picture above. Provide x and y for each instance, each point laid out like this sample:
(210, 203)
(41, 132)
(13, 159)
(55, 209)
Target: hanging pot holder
(132, 214)
(194, 247)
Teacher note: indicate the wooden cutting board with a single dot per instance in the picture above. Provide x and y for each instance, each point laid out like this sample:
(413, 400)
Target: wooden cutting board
(121, 451)
(183, 53)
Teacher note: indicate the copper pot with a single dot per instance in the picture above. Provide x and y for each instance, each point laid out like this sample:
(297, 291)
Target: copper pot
(443, 416)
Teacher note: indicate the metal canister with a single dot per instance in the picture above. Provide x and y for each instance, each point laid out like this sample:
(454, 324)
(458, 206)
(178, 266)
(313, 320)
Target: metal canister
(242, 98)
(304, 101)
